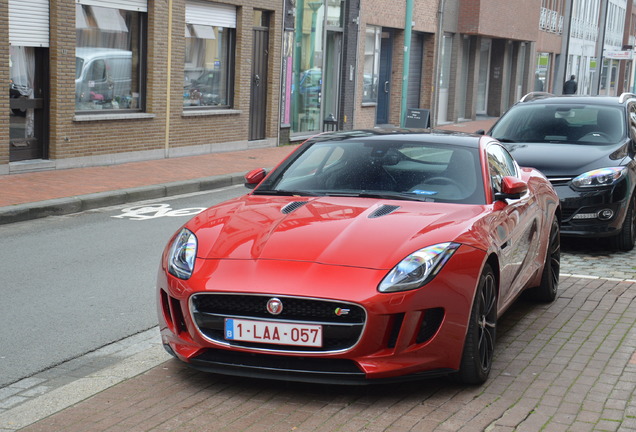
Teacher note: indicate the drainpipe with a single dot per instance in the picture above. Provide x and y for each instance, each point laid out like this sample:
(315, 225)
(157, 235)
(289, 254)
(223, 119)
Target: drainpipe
(408, 25)
(168, 81)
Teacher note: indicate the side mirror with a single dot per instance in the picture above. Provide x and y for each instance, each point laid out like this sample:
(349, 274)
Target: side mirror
(511, 188)
(254, 177)
(481, 132)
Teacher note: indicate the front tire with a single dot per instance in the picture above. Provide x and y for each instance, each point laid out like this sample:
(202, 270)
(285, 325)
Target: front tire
(546, 292)
(479, 346)
(626, 239)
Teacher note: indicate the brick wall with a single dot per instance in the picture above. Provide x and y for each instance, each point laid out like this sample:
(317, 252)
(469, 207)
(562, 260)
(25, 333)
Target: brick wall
(516, 19)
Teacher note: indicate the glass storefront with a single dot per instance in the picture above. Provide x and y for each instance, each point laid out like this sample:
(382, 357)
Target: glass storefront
(316, 64)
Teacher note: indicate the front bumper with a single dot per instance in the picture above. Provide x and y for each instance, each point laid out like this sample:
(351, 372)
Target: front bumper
(583, 211)
(413, 333)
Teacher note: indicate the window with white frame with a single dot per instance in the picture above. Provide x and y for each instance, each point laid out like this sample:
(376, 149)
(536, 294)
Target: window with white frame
(109, 55)
(372, 42)
(209, 61)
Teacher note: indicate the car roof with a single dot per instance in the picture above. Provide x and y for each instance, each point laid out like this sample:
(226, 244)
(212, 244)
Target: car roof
(404, 135)
(549, 99)
(88, 53)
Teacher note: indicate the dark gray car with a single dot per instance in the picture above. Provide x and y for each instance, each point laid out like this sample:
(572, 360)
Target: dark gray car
(585, 146)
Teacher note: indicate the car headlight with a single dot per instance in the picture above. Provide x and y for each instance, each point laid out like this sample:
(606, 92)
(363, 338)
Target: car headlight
(418, 268)
(183, 253)
(600, 177)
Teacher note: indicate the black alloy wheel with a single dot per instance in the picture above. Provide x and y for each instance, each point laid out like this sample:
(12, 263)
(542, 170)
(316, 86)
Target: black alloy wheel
(547, 290)
(479, 346)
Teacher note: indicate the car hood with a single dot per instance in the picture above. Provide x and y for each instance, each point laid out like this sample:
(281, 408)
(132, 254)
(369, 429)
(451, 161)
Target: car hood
(359, 232)
(557, 159)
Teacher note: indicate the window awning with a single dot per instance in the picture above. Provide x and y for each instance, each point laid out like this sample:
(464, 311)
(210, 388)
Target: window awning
(203, 31)
(109, 20)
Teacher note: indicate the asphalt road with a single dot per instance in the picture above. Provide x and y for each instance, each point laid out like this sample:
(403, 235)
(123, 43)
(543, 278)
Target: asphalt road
(71, 284)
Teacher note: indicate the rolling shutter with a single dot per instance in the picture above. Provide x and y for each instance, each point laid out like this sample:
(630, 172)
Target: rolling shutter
(131, 5)
(29, 23)
(211, 14)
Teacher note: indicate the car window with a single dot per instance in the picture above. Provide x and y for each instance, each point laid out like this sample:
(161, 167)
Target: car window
(500, 165)
(555, 123)
(632, 120)
(415, 170)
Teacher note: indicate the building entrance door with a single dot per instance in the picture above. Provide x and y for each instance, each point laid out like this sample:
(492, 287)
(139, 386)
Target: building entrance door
(384, 79)
(331, 82)
(484, 76)
(260, 56)
(28, 91)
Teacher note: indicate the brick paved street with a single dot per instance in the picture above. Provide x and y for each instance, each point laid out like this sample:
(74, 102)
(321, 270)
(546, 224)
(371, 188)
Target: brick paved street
(566, 366)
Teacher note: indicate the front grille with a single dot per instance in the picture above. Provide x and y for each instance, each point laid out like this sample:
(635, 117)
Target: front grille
(567, 213)
(560, 181)
(342, 323)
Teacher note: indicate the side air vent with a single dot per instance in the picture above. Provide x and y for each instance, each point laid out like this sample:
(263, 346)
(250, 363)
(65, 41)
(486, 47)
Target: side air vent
(383, 211)
(293, 206)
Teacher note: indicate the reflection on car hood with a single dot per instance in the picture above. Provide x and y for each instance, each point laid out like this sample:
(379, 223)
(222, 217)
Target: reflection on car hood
(556, 159)
(330, 230)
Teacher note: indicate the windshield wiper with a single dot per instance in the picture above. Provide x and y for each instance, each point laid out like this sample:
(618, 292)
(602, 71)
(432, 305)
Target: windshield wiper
(382, 195)
(285, 192)
(506, 140)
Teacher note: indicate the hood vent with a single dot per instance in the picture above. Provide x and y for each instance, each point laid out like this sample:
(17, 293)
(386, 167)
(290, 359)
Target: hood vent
(383, 211)
(295, 205)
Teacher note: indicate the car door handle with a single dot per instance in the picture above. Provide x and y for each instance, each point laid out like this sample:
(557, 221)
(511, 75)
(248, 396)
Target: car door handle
(386, 86)
(257, 80)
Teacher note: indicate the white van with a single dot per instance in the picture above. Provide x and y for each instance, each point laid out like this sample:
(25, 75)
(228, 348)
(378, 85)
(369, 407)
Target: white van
(103, 78)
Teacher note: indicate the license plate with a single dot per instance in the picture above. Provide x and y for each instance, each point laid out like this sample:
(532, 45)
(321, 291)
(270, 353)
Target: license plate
(273, 332)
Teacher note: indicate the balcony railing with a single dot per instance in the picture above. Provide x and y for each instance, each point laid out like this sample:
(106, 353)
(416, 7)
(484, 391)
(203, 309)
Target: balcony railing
(551, 21)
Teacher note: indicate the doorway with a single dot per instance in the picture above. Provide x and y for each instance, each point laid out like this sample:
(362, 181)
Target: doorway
(331, 81)
(28, 92)
(384, 78)
(484, 75)
(260, 61)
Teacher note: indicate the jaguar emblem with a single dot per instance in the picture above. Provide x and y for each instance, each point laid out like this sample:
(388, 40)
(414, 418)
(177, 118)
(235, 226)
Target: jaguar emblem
(274, 306)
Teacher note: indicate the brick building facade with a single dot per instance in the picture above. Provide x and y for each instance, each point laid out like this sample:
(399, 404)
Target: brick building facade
(256, 73)
(159, 121)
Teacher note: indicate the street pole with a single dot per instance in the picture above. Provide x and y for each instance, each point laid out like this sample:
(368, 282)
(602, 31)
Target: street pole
(600, 46)
(557, 88)
(408, 25)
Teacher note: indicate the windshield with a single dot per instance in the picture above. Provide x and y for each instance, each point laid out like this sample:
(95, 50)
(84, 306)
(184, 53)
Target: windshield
(549, 123)
(381, 169)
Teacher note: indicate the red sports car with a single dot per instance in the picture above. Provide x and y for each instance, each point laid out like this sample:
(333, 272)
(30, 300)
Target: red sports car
(365, 256)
